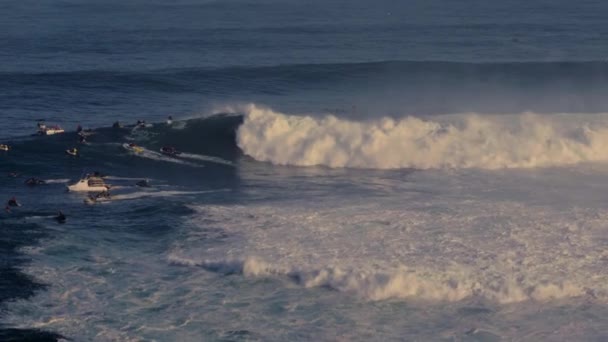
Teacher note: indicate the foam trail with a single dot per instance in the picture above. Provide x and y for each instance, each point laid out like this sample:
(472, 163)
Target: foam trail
(206, 158)
(144, 194)
(145, 153)
(128, 178)
(55, 181)
(470, 141)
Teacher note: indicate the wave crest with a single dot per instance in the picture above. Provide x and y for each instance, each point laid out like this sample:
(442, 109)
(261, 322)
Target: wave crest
(467, 141)
(450, 286)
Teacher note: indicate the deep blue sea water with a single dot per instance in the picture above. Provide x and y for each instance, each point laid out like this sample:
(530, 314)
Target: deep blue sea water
(350, 170)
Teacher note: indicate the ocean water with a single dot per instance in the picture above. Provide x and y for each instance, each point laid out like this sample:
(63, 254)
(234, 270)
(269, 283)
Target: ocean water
(350, 170)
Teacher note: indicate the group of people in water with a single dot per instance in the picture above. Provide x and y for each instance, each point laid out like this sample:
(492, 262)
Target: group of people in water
(12, 202)
(82, 138)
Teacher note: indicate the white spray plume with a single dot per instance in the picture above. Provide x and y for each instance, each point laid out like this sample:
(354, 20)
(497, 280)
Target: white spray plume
(470, 141)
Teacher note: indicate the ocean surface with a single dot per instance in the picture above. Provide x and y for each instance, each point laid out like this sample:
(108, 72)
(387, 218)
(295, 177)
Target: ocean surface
(350, 170)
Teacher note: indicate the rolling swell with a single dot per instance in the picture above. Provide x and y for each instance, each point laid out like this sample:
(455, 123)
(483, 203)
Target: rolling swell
(389, 87)
(273, 77)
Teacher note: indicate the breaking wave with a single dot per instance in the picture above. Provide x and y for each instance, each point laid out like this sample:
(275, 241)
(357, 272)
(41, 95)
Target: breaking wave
(524, 140)
(401, 283)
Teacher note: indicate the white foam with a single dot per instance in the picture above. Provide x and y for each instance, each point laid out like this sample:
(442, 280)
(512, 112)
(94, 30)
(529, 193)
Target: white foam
(146, 194)
(206, 158)
(54, 181)
(459, 141)
(502, 252)
(149, 154)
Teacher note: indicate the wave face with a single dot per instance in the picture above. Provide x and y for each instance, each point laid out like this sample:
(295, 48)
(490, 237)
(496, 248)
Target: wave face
(461, 141)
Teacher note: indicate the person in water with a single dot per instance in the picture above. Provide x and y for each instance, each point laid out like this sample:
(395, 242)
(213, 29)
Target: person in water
(60, 217)
(82, 139)
(34, 181)
(13, 202)
(73, 151)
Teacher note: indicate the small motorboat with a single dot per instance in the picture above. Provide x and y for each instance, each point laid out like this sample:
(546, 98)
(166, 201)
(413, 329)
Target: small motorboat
(133, 148)
(89, 183)
(4, 147)
(170, 151)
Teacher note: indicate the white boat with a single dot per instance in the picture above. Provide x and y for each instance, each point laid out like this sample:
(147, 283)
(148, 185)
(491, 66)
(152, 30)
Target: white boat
(89, 183)
(44, 130)
(4, 147)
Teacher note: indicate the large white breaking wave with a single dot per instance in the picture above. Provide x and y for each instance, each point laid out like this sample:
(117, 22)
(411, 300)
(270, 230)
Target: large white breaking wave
(459, 141)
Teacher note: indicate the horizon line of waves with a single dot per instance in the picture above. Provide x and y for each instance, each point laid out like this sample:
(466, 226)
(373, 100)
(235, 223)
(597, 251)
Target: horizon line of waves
(525, 140)
(403, 283)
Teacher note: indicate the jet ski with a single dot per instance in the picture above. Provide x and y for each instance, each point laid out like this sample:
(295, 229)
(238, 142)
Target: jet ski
(133, 148)
(4, 147)
(143, 183)
(13, 202)
(72, 152)
(34, 181)
(103, 196)
(170, 151)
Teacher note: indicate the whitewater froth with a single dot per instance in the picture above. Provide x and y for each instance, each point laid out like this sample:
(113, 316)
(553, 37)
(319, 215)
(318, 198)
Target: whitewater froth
(525, 140)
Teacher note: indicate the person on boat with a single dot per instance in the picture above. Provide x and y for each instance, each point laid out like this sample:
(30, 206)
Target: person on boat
(13, 202)
(169, 120)
(60, 217)
(78, 129)
(82, 139)
(116, 125)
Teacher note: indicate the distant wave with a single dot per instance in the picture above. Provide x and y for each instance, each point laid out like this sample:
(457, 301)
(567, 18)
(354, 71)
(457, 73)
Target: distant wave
(276, 79)
(464, 141)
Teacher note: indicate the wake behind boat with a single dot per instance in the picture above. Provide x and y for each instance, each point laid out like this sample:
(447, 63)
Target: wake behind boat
(170, 151)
